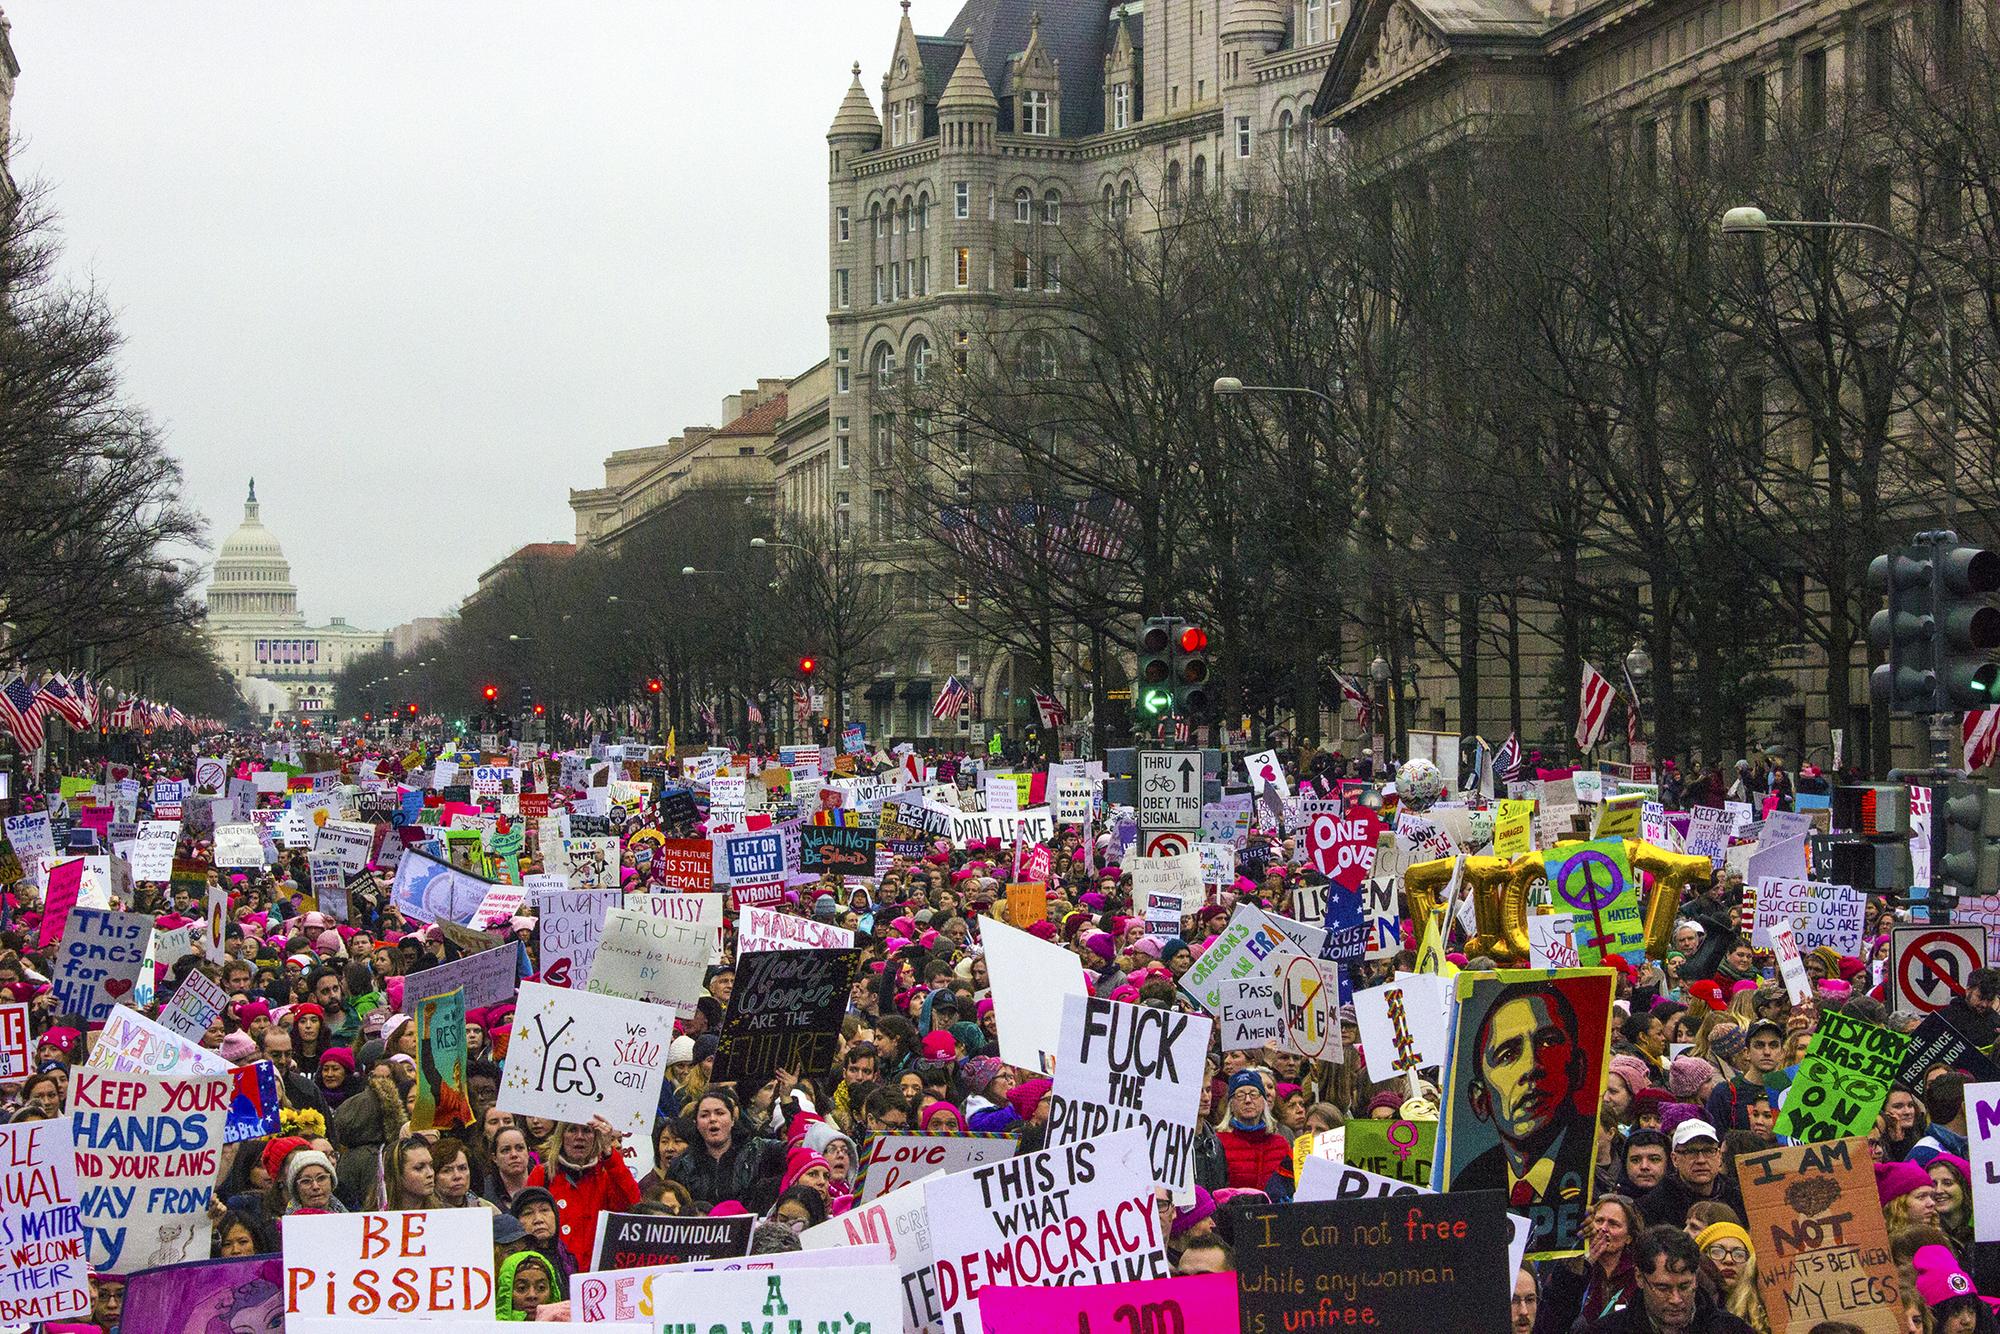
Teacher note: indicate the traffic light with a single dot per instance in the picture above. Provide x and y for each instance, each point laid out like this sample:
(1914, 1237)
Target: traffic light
(1902, 632)
(527, 697)
(490, 693)
(413, 710)
(1154, 694)
(808, 665)
(1191, 672)
(1968, 625)
(1938, 627)
(652, 685)
(1970, 861)
(540, 709)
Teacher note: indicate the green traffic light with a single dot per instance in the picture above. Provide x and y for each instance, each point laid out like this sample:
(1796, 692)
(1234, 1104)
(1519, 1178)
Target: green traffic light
(1153, 703)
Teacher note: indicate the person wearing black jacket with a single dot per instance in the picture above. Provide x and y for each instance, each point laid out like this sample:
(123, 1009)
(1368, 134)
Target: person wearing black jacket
(1672, 1299)
(1697, 1175)
(1972, 1013)
(726, 1162)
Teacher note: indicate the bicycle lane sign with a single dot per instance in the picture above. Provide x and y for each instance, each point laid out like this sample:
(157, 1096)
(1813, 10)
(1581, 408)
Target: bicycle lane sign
(1169, 789)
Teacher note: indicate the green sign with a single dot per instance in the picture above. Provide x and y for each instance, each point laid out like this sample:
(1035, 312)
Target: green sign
(1594, 883)
(1843, 1081)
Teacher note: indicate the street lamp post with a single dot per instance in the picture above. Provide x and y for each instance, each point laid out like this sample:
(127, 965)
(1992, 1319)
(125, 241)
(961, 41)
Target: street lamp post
(1751, 222)
(1639, 666)
(1378, 672)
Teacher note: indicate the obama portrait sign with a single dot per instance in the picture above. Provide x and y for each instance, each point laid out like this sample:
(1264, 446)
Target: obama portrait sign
(1522, 1086)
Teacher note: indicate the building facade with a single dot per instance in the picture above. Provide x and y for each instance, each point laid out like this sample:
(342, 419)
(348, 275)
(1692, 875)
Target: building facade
(946, 209)
(10, 70)
(284, 667)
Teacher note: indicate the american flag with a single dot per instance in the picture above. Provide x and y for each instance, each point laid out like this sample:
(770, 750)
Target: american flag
(1631, 713)
(1507, 760)
(1351, 692)
(752, 713)
(58, 695)
(21, 708)
(1181, 729)
(1982, 737)
(708, 715)
(1051, 709)
(951, 699)
(1593, 707)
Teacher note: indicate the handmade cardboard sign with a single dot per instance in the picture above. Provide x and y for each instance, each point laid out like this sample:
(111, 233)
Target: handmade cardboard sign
(1816, 1227)
(763, 929)
(44, 1275)
(649, 958)
(1594, 883)
(413, 1264)
(570, 925)
(1249, 1015)
(1194, 1303)
(899, 1221)
(1820, 914)
(1241, 950)
(98, 964)
(1400, 1149)
(853, 1297)
(638, 1241)
(1029, 979)
(1079, 1214)
(1402, 1024)
(443, 1099)
(890, 1162)
(1125, 1065)
(487, 978)
(148, 1147)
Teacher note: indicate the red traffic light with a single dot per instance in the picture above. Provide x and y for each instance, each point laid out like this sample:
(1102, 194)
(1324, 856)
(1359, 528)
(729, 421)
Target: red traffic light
(413, 710)
(491, 692)
(1194, 639)
(808, 665)
(653, 685)
(540, 710)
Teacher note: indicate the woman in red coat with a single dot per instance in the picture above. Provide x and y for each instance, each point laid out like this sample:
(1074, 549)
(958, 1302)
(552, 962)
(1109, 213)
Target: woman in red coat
(588, 1177)
(1252, 1149)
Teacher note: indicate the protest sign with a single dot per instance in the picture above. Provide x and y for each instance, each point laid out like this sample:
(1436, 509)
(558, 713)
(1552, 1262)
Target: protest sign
(570, 924)
(1027, 902)
(1816, 1228)
(1195, 1303)
(43, 1272)
(763, 929)
(245, 1295)
(1081, 1213)
(17, 1054)
(1125, 1065)
(1791, 965)
(1552, 941)
(890, 1162)
(592, 862)
(1341, 845)
(899, 1221)
(1843, 1080)
(784, 1013)
(574, 1055)
(687, 864)
(856, 1298)
(148, 1148)
(1165, 887)
(1495, 1117)
(431, 890)
(1239, 951)
(99, 961)
(193, 1006)
(1249, 1013)
(1381, 916)
(412, 1264)
(1436, 1263)
(848, 849)
(487, 978)
(1402, 1024)
(253, 1102)
(658, 960)
(132, 1043)
(349, 842)
(1936, 1044)
(1982, 1126)
(1594, 883)
(1321, 1179)
(639, 1241)
(751, 858)
(1029, 979)
(237, 845)
(443, 1099)
(1401, 1149)
(1820, 914)
(1308, 995)
(152, 858)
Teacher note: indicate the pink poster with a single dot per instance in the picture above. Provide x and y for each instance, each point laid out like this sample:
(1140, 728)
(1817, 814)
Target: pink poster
(1197, 1304)
(65, 883)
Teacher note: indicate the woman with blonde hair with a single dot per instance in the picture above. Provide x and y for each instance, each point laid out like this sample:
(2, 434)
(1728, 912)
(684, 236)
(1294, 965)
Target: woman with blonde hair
(1727, 1247)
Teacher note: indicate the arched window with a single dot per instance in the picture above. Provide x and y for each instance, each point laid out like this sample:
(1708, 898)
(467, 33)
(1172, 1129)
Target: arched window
(1285, 132)
(1173, 186)
(1024, 206)
(1110, 205)
(1052, 208)
(923, 212)
(883, 364)
(875, 216)
(920, 359)
(1125, 201)
(1198, 183)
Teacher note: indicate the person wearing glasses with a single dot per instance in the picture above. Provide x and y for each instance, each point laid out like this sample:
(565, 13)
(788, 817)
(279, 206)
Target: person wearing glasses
(1697, 1175)
(1671, 1297)
(1727, 1247)
(1523, 1305)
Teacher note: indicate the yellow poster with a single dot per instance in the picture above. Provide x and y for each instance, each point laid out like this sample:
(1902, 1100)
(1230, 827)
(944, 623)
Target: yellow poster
(1513, 829)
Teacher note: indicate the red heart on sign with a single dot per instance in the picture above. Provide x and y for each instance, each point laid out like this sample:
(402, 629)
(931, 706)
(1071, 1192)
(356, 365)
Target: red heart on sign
(115, 987)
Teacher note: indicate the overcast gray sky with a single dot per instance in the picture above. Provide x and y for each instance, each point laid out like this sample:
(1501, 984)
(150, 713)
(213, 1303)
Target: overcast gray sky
(419, 265)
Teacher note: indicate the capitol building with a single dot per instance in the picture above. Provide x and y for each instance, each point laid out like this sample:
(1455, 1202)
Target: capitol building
(284, 667)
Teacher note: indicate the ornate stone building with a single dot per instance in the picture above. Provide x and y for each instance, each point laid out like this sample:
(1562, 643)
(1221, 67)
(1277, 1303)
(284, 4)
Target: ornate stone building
(10, 69)
(945, 210)
(284, 667)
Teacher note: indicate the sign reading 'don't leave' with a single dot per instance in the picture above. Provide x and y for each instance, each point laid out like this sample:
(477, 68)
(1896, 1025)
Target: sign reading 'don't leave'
(410, 1264)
